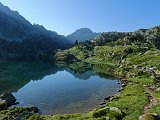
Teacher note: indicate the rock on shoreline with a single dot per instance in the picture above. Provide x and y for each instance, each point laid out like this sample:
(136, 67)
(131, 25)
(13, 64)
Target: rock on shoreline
(18, 113)
(7, 100)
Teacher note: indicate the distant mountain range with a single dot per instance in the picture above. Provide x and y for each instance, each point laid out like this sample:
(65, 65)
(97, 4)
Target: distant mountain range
(14, 27)
(82, 35)
(20, 39)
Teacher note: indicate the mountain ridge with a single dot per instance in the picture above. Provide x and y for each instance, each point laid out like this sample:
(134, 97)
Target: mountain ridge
(82, 35)
(20, 39)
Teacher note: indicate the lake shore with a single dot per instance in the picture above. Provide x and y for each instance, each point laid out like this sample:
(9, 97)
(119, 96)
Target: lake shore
(133, 89)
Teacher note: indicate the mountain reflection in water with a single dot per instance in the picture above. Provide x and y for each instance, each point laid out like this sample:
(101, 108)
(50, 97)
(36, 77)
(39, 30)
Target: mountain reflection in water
(54, 89)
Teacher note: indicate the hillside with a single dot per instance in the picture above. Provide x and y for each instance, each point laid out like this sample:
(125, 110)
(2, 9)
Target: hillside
(133, 57)
(116, 48)
(19, 38)
(81, 35)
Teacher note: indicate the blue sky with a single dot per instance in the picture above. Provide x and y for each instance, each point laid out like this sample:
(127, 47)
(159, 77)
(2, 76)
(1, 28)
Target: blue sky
(65, 16)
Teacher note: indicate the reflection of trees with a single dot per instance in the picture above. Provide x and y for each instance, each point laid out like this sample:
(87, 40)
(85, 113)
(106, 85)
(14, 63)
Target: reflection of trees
(84, 70)
(106, 76)
(82, 76)
(103, 70)
(14, 75)
(80, 67)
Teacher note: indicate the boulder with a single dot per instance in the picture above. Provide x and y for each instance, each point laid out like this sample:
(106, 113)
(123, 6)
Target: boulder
(123, 85)
(157, 117)
(107, 98)
(8, 99)
(114, 109)
(102, 103)
(158, 89)
(107, 118)
(145, 85)
(3, 105)
(34, 109)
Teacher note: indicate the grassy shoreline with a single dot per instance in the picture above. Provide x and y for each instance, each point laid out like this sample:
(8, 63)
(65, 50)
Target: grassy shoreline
(139, 65)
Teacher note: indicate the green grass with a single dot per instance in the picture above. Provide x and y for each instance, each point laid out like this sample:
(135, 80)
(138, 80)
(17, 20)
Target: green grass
(157, 94)
(10, 114)
(99, 114)
(155, 109)
(142, 80)
(131, 101)
(148, 57)
(95, 60)
(81, 52)
(35, 117)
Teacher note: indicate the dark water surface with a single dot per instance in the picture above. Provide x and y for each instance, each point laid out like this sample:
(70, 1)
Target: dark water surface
(53, 89)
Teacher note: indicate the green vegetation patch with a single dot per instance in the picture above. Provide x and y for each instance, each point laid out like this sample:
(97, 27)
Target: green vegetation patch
(144, 80)
(17, 113)
(131, 101)
(155, 109)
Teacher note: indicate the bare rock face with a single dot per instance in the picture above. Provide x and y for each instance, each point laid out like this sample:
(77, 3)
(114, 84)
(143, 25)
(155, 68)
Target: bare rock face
(7, 100)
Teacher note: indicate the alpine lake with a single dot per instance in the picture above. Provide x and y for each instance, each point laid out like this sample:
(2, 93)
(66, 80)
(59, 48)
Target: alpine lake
(55, 89)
